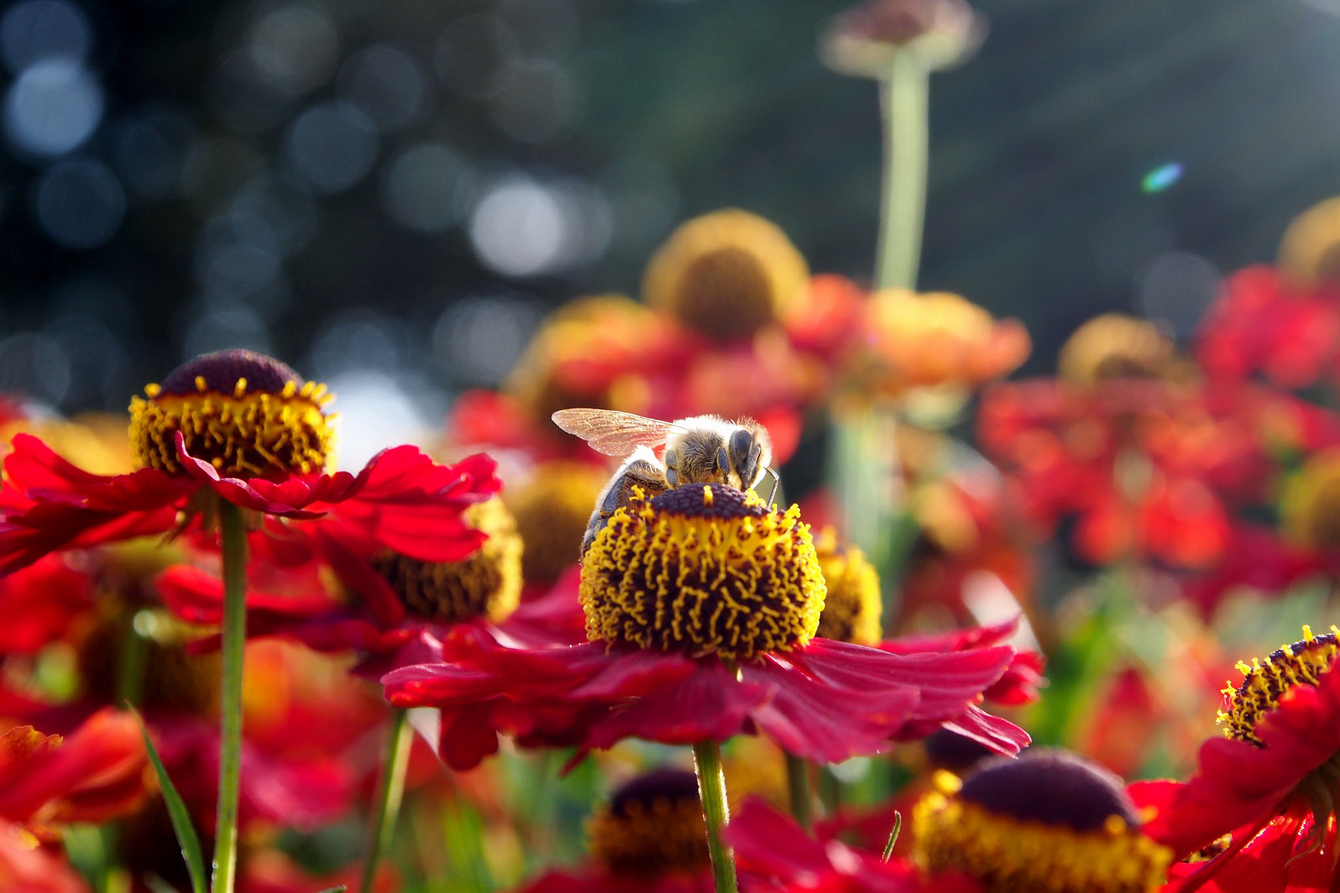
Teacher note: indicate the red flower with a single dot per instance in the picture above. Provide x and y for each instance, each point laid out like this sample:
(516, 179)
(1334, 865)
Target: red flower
(1257, 786)
(98, 773)
(33, 869)
(257, 440)
(39, 603)
(741, 661)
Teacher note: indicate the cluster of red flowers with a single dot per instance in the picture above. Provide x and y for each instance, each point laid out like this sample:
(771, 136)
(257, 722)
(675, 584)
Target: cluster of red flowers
(503, 625)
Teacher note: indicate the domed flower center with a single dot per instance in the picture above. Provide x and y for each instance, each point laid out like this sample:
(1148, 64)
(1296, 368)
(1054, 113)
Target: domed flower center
(726, 274)
(1114, 346)
(1046, 822)
(725, 292)
(245, 413)
(1265, 681)
(652, 826)
(703, 570)
(485, 585)
(552, 511)
(853, 606)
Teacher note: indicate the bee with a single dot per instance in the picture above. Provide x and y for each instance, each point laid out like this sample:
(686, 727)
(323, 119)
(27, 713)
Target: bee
(705, 449)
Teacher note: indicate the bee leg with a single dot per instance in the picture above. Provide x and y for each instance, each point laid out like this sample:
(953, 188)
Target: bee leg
(671, 468)
(618, 493)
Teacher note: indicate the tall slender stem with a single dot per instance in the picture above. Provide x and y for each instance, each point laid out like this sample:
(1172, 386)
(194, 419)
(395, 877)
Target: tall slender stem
(389, 793)
(716, 812)
(905, 95)
(230, 727)
(798, 784)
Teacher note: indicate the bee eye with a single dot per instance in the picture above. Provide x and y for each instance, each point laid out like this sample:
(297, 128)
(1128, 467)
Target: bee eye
(740, 442)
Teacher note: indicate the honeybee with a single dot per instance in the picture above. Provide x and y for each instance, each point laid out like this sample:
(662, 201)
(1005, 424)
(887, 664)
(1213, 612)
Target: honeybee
(705, 449)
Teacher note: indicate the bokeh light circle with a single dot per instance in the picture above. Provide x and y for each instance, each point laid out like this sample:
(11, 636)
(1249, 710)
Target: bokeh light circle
(36, 30)
(422, 187)
(330, 147)
(52, 107)
(79, 203)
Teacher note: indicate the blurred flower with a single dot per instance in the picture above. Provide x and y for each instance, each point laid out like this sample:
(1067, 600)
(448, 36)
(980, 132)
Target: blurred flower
(1115, 346)
(1310, 504)
(26, 866)
(936, 340)
(246, 415)
(1048, 821)
(593, 351)
(726, 274)
(1310, 250)
(1263, 323)
(729, 648)
(552, 510)
(649, 837)
(938, 33)
(1269, 781)
(853, 604)
(97, 773)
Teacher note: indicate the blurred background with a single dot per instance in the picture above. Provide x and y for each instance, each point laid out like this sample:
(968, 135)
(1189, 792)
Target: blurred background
(389, 195)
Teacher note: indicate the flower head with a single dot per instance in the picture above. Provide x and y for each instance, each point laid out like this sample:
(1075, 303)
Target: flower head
(726, 274)
(262, 440)
(702, 605)
(552, 510)
(650, 836)
(246, 414)
(1048, 821)
(1269, 782)
(1114, 345)
(1310, 250)
(853, 605)
(703, 570)
(938, 33)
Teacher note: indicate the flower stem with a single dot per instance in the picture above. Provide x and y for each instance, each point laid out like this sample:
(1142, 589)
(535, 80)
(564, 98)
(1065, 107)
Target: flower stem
(905, 95)
(389, 792)
(234, 537)
(798, 783)
(716, 812)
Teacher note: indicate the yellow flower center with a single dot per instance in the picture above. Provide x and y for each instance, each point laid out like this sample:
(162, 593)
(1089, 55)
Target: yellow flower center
(1265, 681)
(853, 606)
(652, 826)
(245, 413)
(726, 274)
(703, 569)
(552, 510)
(1114, 346)
(487, 584)
(1046, 823)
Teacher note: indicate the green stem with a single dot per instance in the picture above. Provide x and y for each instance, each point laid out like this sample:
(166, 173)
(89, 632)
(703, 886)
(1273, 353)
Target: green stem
(234, 536)
(390, 790)
(830, 791)
(798, 783)
(716, 812)
(905, 94)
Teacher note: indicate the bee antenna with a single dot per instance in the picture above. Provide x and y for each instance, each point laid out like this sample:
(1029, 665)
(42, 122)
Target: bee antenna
(776, 486)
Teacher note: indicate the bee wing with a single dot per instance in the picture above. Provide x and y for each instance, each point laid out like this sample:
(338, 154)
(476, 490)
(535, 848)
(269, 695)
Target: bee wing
(612, 432)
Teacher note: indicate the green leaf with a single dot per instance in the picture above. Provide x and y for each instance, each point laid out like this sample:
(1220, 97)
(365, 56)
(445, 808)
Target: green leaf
(340, 889)
(181, 819)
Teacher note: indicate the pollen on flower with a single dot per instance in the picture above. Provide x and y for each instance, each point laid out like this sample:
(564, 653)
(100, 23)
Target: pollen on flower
(247, 414)
(485, 585)
(1044, 823)
(726, 274)
(653, 825)
(703, 570)
(1266, 680)
(853, 605)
